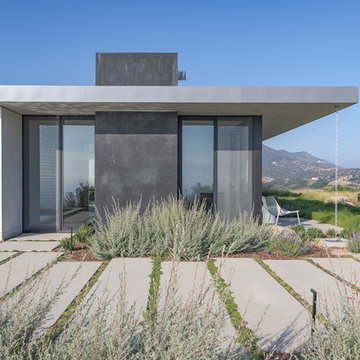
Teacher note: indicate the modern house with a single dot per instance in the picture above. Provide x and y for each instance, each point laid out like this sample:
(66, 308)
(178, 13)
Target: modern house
(136, 134)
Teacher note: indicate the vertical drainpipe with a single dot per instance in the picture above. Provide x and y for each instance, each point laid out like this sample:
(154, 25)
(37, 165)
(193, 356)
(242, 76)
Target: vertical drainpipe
(59, 178)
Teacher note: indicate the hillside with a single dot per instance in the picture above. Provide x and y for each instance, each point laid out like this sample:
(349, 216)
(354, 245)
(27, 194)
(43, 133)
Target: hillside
(301, 169)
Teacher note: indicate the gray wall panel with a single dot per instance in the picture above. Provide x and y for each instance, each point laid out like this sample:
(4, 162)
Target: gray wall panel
(135, 156)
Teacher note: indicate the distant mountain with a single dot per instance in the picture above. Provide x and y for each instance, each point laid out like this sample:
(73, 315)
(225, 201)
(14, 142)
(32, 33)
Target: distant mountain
(301, 169)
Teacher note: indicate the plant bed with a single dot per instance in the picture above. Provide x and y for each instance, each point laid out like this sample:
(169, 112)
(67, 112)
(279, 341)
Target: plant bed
(80, 252)
(315, 252)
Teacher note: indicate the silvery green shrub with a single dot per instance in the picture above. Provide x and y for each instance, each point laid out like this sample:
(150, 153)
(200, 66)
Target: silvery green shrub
(125, 231)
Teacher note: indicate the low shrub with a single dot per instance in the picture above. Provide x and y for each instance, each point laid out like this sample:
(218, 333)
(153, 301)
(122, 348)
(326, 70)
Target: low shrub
(330, 232)
(125, 231)
(338, 337)
(65, 244)
(314, 233)
(348, 232)
(354, 242)
(287, 243)
(83, 234)
(300, 230)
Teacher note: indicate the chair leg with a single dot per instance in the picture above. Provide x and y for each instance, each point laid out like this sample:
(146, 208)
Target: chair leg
(277, 219)
(298, 217)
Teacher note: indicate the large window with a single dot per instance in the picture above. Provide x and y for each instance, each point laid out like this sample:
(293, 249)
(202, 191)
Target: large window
(198, 160)
(216, 165)
(58, 172)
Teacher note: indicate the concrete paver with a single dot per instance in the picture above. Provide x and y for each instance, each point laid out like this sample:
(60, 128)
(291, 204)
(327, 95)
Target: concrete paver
(70, 277)
(40, 236)
(15, 271)
(348, 269)
(28, 245)
(277, 318)
(194, 276)
(303, 276)
(6, 255)
(136, 271)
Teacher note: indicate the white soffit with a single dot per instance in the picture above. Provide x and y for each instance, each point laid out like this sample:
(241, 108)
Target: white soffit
(282, 108)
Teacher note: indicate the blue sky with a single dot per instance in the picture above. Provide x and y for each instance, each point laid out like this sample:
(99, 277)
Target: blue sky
(252, 42)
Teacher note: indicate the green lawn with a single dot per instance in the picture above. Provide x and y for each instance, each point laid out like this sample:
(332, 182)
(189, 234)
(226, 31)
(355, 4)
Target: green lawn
(312, 208)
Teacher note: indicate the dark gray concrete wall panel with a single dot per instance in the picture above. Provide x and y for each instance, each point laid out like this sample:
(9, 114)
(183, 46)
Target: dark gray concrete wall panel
(135, 157)
(136, 69)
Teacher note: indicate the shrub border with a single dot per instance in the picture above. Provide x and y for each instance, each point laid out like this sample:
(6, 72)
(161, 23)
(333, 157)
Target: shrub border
(55, 330)
(289, 289)
(244, 334)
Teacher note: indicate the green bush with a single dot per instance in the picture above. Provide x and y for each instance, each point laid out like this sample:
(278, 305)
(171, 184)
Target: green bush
(192, 230)
(290, 244)
(354, 242)
(83, 234)
(65, 244)
(348, 232)
(330, 232)
(300, 230)
(314, 233)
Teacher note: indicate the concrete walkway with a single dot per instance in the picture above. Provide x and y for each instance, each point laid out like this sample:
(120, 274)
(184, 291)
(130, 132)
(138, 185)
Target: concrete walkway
(303, 276)
(194, 278)
(40, 237)
(289, 221)
(28, 245)
(6, 255)
(276, 317)
(348, 269)
(69, 277)
(136, 271)
(17, 270)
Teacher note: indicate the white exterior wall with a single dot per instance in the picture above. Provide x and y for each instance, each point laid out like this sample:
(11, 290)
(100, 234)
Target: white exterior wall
(11, 193)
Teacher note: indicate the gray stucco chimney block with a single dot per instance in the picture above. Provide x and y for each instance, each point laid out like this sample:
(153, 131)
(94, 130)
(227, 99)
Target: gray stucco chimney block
(137, 69)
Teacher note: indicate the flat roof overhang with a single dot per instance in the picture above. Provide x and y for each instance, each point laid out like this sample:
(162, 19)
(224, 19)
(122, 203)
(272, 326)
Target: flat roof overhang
(282, 108)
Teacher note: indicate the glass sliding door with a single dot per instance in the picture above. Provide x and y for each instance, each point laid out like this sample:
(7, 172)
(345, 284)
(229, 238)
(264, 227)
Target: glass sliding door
(42, 159)
(59, 172)
(233, 181)
(197, 160)
(78, 172)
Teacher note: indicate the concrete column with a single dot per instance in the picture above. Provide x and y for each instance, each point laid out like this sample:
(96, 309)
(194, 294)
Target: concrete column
(11, 194)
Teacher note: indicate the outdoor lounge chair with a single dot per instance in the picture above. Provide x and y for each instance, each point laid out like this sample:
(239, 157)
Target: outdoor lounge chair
(271, 210)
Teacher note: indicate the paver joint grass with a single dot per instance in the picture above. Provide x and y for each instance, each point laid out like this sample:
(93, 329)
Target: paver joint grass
(245, 336)
(150, 314)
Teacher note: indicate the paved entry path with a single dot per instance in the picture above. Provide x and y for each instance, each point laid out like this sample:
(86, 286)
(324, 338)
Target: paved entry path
(136, 270)
(277, 318)
(195, 276)
(303, 276)
(6, 255)
(28, 245)
(70, 277)
(16, 270)
(348, 269)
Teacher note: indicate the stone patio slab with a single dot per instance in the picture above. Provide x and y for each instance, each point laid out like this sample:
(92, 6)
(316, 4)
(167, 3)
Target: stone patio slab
(303, 276)
(348, 269)
(17, 270)
(40, 237)
(277, 318)
(194, 276)
(136, 270)
(28, 245)
(71, 276)
(6, 255)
